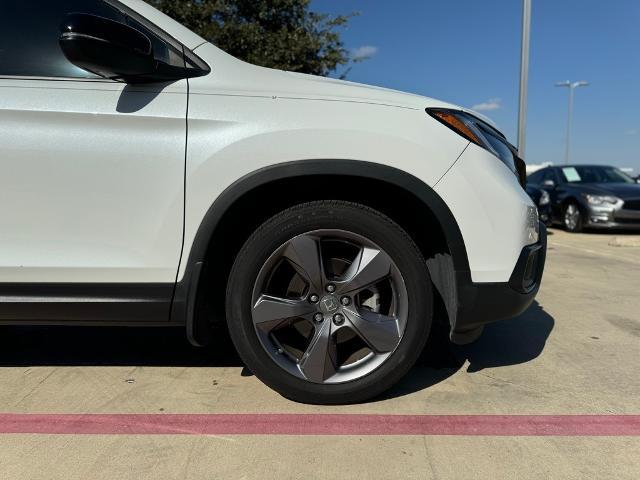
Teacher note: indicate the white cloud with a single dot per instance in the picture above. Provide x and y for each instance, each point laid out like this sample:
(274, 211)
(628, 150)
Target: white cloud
(491, 104)
(365, 51)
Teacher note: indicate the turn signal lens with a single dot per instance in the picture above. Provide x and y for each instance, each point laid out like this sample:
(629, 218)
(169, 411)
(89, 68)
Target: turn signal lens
(456, 124)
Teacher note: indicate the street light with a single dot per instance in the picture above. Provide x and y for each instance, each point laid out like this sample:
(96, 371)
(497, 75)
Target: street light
(572, 86)
(524, 75)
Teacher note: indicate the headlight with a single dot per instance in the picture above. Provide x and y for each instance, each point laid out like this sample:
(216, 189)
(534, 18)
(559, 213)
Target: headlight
(601, 200)
(478, 132)
(544, 198)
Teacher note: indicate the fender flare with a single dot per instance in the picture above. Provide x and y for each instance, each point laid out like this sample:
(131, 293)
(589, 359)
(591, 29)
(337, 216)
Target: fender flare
(183, 308)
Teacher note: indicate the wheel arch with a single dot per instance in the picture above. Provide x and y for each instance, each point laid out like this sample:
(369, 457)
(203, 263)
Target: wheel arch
(241, 207)
(571, 198)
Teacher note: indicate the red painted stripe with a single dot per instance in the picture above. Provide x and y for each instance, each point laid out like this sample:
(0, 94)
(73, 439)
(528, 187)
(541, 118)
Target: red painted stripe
(305, 424)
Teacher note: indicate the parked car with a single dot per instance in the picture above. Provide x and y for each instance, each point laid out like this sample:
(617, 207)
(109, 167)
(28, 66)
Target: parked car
(148, 178)
(594, 196)
(542, 199)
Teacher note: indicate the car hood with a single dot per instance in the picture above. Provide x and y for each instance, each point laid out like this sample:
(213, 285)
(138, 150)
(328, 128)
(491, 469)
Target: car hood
(620, 190)
(241, 78)
(334, 89)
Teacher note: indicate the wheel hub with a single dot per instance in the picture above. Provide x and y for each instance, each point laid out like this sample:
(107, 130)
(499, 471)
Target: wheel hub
(329, 304)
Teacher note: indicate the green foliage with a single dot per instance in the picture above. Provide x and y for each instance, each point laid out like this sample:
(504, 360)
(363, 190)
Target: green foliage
(283, 34)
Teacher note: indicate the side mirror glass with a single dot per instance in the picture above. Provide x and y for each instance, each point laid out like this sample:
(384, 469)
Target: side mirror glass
(549, 183)
(107, 48)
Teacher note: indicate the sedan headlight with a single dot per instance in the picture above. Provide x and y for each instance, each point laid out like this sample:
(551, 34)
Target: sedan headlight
(478, 132)
(601, 200)
(544, 198)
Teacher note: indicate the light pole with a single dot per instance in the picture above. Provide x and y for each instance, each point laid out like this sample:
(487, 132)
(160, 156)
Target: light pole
(524, 75)
(572, 86)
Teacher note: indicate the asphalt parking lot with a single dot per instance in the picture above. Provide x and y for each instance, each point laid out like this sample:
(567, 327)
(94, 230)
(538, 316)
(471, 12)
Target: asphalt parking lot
(574, 352)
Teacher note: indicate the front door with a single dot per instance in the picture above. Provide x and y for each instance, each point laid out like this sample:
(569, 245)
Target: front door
(92, 170)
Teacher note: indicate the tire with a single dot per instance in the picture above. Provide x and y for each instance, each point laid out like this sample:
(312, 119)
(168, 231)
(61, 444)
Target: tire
(404, 296)
(572, 217)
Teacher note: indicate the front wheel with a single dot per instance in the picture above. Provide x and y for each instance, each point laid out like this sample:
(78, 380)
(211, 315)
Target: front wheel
(329, 302)
(572, 218)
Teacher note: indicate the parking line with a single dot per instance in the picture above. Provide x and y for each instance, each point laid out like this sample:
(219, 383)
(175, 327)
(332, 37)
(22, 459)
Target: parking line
(322, 424)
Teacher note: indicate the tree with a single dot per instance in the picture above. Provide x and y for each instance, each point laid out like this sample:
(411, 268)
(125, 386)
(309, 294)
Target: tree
(283, 34)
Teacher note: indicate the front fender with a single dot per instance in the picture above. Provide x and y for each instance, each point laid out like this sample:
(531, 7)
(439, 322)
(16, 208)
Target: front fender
(230, 137)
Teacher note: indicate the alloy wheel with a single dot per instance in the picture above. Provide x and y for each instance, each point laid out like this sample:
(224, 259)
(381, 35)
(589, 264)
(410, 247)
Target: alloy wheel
(571, 217)
(329, 306)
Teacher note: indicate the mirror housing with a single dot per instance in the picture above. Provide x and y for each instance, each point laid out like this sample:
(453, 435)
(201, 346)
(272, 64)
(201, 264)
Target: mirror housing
(107, 48)
(549, 184)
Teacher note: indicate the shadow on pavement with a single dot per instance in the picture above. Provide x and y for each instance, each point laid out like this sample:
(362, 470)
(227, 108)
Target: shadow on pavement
(508, 342)
(110, 346)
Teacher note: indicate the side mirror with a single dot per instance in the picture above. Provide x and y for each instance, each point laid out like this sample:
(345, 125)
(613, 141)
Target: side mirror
(107, 48)
(549, 184)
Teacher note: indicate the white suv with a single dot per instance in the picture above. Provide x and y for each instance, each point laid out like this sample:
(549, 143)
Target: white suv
(148, 178)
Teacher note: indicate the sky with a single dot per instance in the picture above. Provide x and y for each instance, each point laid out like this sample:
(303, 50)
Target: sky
(467, 52)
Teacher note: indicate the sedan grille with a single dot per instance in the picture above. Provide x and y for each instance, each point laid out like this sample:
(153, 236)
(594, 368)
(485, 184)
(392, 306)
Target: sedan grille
(632, 204)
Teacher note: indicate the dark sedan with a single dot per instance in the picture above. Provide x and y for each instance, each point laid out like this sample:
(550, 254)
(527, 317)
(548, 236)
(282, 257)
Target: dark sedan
(590, 196)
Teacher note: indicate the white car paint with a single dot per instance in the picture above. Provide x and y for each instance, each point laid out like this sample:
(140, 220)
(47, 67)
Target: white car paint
(93, 192)
(91, 187)
(491, 210)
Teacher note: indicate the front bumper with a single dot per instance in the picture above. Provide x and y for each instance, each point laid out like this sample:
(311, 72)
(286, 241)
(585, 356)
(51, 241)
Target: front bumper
(472, 305)
(617, 218)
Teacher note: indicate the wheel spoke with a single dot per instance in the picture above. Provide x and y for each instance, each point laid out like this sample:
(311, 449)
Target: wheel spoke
(269, 312)
(379, 331)
(304, 253)
(318, 361)
(369, 267)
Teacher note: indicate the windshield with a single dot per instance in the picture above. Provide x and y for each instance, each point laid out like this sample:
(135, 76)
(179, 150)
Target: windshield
(594, 174)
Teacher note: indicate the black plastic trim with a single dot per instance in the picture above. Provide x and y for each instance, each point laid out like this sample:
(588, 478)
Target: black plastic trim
(85, 303)
(476, 304)
(199, 67)
(183, 311)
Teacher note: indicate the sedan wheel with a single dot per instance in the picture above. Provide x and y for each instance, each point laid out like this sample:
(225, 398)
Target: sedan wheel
(572, 218)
